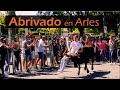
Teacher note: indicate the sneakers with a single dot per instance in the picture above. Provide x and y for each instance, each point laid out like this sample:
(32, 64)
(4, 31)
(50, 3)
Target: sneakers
(17, 72)
(7, 74)
(3, 76)
(28, 70)
(60, 71)
(34, 69)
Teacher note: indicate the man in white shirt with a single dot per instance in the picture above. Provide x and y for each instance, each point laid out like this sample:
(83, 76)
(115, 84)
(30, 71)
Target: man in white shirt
(74, 47)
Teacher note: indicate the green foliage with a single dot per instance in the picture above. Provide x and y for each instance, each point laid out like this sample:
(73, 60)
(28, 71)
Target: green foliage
(75, 30)
(21, 31)
(96, 31)
(50, 31)
(89, 30)
(118, 42)
(111, 32)
(2, 20)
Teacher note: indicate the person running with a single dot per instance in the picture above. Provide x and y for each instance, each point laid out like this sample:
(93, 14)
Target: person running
(74, 47)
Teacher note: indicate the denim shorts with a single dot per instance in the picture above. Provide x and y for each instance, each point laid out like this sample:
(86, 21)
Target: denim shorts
(40, 54)
(28, 57)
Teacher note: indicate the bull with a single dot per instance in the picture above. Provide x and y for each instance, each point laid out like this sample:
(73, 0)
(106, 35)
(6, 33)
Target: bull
(84, 56)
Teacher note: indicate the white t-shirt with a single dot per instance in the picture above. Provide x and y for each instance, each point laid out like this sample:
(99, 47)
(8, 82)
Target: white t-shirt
(41, 46)
(68, 45)
(75, 46)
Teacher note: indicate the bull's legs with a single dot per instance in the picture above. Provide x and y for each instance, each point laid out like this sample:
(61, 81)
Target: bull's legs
(78, 69)
(92, 63)
(87, 70)
(92, 67)
(85, 66)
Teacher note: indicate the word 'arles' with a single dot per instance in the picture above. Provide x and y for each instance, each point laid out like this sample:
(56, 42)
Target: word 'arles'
(34, 22)
(87, 22)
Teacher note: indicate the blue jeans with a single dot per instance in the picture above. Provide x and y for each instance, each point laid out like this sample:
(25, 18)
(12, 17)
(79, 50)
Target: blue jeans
(111, 55)
(102, 55)
(107, 54)
(7, 58)
(63, 63)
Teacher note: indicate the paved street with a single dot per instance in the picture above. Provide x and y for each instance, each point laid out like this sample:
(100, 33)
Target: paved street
(101, 71)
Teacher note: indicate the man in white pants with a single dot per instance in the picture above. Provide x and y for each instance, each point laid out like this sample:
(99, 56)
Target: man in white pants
(74, 47)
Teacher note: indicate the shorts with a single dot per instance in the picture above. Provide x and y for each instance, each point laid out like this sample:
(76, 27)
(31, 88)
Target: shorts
(33, 55)
(23, 56)
(28, 57)
(40, 55)
(36, 56)
(44, 57)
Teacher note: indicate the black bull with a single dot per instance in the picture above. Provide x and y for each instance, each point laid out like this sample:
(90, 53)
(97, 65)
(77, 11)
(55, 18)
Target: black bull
(84, 58)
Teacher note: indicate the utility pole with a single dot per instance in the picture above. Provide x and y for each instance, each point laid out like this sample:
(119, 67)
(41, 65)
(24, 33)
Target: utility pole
(9, 35)
(103, 24)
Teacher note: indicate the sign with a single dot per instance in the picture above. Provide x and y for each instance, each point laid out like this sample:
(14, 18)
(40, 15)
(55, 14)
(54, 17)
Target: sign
(105, 29)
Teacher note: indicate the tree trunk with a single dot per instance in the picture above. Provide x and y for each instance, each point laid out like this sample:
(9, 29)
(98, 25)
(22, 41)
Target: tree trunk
(116, 30)
(81, 30)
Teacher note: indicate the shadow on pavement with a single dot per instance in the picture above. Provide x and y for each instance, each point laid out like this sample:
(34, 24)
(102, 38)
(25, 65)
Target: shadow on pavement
(97, 64)
(95, 74)
(46, 71)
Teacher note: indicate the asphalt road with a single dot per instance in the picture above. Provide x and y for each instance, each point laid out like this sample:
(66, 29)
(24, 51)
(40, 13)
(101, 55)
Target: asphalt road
(101, 71)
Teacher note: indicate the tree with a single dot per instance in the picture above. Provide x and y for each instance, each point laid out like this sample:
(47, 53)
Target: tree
(2, 24)
(47, 31)
(75, 30)
(21, 31)
(2, 20)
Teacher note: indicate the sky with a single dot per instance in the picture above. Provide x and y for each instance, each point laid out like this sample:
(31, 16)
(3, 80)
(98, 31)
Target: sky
(26, 12)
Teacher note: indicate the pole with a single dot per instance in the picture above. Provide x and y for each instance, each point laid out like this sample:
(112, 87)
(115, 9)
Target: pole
(103, 25)
(9, 35)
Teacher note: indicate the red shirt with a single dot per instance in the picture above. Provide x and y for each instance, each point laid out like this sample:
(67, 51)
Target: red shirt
(88, 43)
